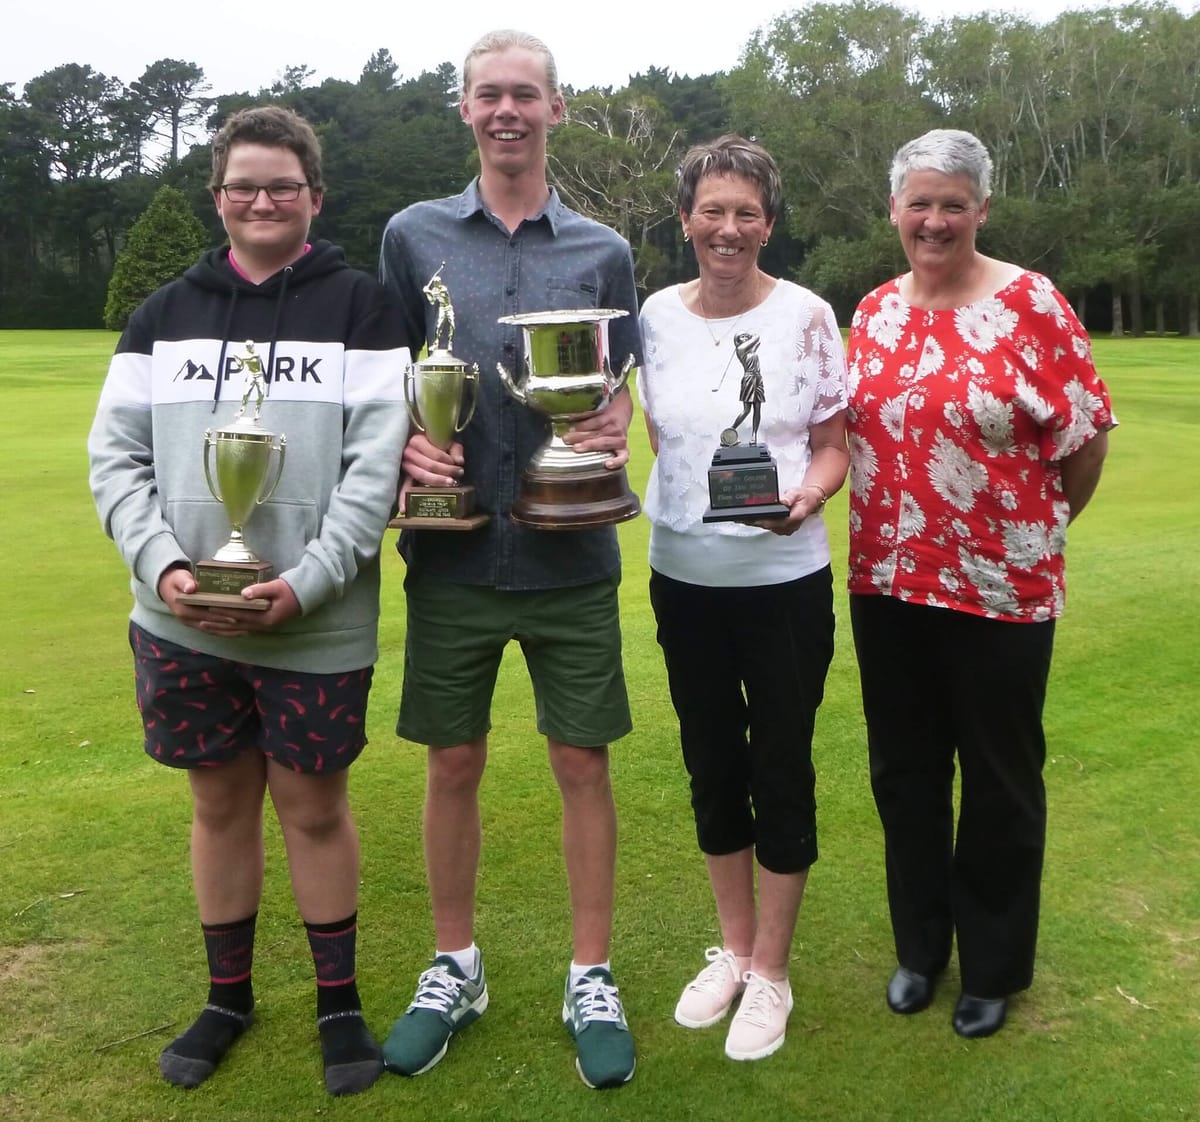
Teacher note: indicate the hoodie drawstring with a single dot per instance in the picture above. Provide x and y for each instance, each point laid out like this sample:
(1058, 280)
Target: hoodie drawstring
(233, 295)
(279, 303)
(283, 287)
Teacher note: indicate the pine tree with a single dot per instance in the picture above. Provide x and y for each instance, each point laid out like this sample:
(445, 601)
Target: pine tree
(162, 243)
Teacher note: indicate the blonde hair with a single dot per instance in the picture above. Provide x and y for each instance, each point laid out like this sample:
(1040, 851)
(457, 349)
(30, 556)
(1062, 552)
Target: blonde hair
(503, 40)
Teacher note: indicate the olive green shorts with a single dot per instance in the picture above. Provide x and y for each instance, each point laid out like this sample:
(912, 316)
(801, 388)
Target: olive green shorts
(571, 639)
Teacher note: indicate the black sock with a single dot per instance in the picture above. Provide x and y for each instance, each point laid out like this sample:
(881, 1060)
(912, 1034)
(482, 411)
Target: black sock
(193, 1055)
(352, 1058)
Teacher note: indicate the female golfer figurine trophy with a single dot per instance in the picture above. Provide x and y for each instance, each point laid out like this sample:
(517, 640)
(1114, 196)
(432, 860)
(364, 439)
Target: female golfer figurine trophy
(743, 484)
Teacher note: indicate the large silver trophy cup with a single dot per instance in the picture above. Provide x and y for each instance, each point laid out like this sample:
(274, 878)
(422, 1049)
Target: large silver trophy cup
(248, 465)
(568, 375)
(440, 392)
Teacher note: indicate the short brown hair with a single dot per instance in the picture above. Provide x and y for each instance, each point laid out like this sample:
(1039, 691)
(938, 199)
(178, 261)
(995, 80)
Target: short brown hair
(731, 155)
(272, 126)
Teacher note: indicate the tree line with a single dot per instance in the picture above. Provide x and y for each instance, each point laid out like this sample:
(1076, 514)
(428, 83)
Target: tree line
(1092, 119)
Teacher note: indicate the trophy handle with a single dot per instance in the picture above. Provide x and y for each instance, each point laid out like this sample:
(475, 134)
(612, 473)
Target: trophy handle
(471, 376)
(281, 448)
(623, 377)
(506, 380)
(209, 444)
(409, 397)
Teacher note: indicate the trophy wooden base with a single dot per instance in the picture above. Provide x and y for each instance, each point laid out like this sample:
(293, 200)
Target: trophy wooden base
(439, 508)
(574, 501)
(219, 585)
(746, 513)
(743, 485)
(223, 600)
(404, 522)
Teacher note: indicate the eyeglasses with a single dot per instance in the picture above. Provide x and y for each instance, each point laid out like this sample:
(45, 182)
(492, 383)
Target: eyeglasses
(276, 192)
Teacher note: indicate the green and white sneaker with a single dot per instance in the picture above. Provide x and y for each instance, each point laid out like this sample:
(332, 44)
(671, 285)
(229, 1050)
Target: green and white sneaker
(445, 1003)
(593, 1015)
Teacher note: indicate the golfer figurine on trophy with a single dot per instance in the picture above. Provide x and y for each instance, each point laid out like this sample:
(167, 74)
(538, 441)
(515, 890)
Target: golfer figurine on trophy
(243, 452)
(743, 484)
(435, 391)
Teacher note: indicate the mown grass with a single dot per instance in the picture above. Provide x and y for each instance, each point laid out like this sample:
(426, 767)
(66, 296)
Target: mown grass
(98, 936)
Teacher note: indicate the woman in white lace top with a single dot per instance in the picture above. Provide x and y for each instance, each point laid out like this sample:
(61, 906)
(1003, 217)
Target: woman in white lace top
(744, 610)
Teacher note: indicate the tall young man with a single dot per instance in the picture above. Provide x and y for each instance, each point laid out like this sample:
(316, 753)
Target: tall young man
(509, 245)
(273, 701)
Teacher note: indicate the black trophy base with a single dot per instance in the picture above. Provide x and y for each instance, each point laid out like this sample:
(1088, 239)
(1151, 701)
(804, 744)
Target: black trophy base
(574, 500)
(219, 584)
(439, 508)
(743, 485)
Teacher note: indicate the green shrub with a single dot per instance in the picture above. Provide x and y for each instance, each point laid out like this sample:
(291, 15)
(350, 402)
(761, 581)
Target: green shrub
(162, 243)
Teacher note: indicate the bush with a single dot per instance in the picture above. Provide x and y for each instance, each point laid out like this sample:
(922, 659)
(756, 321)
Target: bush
(162, 243)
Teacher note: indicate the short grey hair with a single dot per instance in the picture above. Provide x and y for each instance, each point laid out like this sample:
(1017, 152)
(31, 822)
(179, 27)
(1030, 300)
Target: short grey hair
(950, 151)
(731, 155)
(503, 40)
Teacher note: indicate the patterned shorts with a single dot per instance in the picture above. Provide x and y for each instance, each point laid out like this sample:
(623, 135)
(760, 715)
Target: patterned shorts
(201, 711)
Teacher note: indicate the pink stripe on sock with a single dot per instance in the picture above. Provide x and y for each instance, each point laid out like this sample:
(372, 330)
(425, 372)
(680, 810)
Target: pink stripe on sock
(339, 982)
(229, 981)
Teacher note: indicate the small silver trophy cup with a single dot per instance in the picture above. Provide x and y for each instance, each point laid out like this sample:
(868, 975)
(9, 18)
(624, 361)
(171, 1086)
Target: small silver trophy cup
(244, 453)
(436, 391)
(568, 375)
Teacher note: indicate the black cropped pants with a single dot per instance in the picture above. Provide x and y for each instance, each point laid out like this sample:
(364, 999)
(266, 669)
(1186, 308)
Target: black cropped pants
(746, 669)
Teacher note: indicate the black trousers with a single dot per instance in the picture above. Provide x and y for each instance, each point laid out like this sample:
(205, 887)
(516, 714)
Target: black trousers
(937, 682)
(746, 669)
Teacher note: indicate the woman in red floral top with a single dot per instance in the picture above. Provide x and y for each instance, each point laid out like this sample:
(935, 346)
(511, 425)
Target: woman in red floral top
(978, 427)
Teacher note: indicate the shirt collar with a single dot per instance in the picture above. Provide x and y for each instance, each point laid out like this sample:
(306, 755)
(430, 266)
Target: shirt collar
(471, 202)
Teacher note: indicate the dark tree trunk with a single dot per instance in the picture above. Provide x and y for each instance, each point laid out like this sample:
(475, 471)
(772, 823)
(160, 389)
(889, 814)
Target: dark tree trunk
(1137, 326)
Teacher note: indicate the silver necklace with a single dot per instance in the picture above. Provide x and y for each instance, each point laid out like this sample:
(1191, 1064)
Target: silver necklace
(717, 340)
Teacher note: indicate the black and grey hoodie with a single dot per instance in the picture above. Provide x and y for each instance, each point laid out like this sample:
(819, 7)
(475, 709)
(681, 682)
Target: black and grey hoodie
(334, 355)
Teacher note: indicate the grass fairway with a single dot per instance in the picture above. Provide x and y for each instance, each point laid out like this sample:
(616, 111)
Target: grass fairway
(101, 960)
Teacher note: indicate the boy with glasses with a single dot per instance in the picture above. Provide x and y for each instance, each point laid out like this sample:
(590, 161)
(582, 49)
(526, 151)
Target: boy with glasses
(267, 700)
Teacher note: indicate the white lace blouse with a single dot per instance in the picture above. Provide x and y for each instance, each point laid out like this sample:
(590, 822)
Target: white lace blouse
(689, 389)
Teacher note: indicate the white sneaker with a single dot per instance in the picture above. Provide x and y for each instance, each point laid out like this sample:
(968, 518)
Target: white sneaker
(759, 1025)
(708, 996)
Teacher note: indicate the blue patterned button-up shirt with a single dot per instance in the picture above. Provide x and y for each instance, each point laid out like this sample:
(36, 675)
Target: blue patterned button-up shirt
(555, 260)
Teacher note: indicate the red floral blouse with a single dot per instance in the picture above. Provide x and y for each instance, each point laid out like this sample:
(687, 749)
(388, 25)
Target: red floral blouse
(958, 420)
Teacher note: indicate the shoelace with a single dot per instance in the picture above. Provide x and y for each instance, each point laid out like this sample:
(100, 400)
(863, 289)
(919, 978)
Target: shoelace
(712, 979)
(598, 1001)
(760, 998)
(437, 989)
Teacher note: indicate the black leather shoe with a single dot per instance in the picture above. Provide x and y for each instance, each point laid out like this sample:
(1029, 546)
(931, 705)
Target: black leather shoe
(909, 992)
(979, 1016)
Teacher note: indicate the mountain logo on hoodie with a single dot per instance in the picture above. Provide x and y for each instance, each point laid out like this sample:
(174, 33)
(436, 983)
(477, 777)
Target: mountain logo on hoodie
(191, 371)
